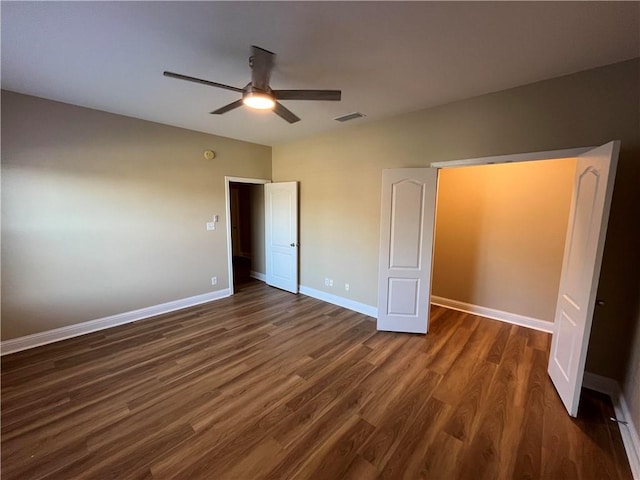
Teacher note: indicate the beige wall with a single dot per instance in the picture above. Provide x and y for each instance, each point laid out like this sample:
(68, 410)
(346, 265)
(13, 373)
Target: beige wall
(104, 214)
(340, 177)
(500, 234)
(257, 229)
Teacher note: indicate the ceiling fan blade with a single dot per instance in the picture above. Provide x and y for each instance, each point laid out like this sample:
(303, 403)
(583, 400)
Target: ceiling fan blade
(199, 80)
(226, 108)
(261, 62)
(285, 113)
(333, 95)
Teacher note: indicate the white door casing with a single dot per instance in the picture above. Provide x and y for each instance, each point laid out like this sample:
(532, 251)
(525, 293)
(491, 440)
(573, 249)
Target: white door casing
(281, 235)
(593, 190)
(407, 222)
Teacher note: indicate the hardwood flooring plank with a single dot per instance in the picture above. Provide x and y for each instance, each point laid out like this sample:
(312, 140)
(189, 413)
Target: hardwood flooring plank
(126, 459)
(469, 358)
(327, 377)
(303, 416)
(317, 433)
(441, 359)
(360, 469)
(259, 459)
(41, 463)
(385, 344)
(538, 340)
(466, 409)
(556, 457)
(227, 436)
(333, 457)
(512, 373)
(407, 461)
(388, 383)
(397, 420)
(499, 343)
(529, 451)
(488, 454)
(442, 459)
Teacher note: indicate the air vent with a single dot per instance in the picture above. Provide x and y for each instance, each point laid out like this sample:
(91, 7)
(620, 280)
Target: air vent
(349, 116)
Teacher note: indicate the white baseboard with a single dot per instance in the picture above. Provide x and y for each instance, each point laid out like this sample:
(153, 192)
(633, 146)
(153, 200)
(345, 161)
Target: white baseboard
(42, 338)
(340, 301)
(513, 318)
(628, 430)
(258, 276)
(601, 384)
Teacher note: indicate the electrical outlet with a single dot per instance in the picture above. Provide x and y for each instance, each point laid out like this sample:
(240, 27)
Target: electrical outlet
(330, 282)
(214, 280)
(346, 287)
(211, 226)
(326, 282)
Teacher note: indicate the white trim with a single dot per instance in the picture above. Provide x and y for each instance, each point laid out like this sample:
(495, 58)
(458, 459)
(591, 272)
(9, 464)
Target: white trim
(628, 431)
(513, 318)
(43, 338)
(258, 276)
(340, 301)
(513, 158)
(227, 199)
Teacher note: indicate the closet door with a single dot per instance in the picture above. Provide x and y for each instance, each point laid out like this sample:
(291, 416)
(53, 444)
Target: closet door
(406, 249)
(593, 189)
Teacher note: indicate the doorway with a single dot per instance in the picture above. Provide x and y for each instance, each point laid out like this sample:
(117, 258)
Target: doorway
(245, 230)
(500, 238)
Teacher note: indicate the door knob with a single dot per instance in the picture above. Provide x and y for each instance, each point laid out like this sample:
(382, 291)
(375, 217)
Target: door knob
(292, 245)
(600, 303)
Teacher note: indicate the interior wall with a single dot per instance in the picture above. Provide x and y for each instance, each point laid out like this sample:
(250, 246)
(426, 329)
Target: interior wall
(241, 227)
(500, 234)
(340, 181)
(104, 214)
(245, 221)
(258, 263)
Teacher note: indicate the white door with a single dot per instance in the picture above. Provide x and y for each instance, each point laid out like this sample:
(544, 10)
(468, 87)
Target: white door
(406, 248)
(281, 235)
(593, 188)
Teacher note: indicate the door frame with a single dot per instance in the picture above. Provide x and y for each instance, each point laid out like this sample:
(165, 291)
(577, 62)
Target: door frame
(514, 158)
(497, 159)
(567, 153)
(227, 196)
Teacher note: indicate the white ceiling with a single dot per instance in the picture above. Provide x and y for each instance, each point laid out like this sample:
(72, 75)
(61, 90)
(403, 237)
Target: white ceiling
(386, 57)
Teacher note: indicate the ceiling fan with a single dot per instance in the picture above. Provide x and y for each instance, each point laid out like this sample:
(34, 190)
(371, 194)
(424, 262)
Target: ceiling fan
(258, 93)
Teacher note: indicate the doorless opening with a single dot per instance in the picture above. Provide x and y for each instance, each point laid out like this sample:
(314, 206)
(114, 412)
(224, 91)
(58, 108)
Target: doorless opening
(245, 228)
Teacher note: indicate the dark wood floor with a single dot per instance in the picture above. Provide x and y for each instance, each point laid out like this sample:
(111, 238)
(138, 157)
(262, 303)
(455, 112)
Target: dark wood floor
(269, 385)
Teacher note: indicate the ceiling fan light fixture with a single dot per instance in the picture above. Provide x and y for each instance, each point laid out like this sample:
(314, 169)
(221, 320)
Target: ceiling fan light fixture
(257, 94)
(259, 100)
